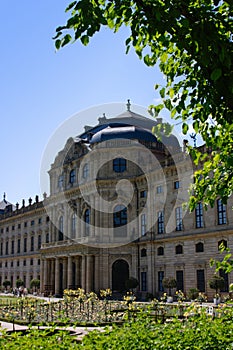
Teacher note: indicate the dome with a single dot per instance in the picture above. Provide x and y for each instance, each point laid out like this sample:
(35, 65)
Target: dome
(123, 132)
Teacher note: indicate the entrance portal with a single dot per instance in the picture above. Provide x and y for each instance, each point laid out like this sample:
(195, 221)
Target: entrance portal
(120, 273)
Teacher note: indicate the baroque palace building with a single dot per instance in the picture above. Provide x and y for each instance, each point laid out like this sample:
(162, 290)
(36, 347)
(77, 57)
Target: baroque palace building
(115, 211)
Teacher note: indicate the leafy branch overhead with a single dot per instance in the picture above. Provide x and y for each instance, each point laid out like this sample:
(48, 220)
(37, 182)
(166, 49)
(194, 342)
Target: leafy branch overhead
(192, 43)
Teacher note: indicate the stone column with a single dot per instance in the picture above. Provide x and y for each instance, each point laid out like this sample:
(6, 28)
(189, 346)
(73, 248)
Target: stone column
(78, 270)
(45, 272)
(52, 275)
(69, 272)
(96, 273)
(42, 275)
(89, 275)
(83, 272)
(57, 275)
(64, 281)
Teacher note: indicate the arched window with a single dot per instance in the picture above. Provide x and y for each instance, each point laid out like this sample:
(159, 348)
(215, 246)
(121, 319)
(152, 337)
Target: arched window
(143, 252)
(73, 225)
(85, 171)
(199, 247)
(60, 235)
(160, 251)
(87, 222)
(119, 165)
(179, 249)
(120, 221)
(72, 176)
(60, 181)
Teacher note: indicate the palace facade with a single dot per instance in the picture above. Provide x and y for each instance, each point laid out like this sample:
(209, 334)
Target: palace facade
(115, 211)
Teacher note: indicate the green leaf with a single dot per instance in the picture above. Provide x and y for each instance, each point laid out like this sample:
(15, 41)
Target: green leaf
(216, 74)
(85, 39)
(185, 128)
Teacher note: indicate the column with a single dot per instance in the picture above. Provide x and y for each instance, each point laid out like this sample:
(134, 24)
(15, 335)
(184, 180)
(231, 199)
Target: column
(52, 276)
(69, 273)
(83, 272)
(57, 275)
(78, 271)
(89, 281)
(42, 274)
(45, 273)
(96, 273)
(64, 281)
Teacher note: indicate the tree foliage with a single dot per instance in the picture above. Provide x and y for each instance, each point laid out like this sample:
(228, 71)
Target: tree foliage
(192, 43)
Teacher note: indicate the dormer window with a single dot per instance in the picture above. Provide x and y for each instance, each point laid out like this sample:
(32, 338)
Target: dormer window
(72, 176)
(119, 165)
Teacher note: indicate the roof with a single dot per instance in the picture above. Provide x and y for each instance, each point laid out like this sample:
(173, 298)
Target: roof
(123, 132)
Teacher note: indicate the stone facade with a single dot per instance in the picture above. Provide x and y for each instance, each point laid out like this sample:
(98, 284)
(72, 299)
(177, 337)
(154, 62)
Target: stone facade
(115, 211)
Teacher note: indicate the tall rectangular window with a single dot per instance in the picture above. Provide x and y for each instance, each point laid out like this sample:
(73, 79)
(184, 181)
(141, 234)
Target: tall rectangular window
(144, 281)
(161, 221)
(180, 280)
(199, 215)
(226, 281)
(179, 221)
(18, 246)
(143, 224)
(160, 281)
(12, 247)
(32, 244)
(222, 214)
(1, 249)
(7, 248)
(39, 241)
(25, 244)
(201, 280)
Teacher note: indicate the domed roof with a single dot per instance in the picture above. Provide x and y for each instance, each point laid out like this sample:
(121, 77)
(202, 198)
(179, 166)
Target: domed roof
(123, 132)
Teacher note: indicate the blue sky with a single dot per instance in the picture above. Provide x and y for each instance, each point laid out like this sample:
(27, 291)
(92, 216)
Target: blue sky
(40, 88)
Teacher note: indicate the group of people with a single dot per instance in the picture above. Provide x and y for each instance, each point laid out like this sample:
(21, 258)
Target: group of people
(20, 292)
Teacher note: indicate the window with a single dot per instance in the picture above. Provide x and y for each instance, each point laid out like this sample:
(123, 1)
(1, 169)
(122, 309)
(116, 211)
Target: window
(85, 171)
(7, 229)
(60, 234)
(7, 248)
(2, 230)
(179, 249)
(40, 221)
(144, 281)
(159, 189)
(39, 241)
(143, 252)
(47, 218)
(13, 227)
(176, 185)
(199, 215)
(160, 251)
(180, 280)
(201, 280)
(6, 264)
(87, 222)
(143, 224)
(60, 181)
(226, 281)
(12, 263)
(32, 222)
(120, 221)
(31, 261)
(19, 225)
(199, 247)
(119, 165)
(25, 224)
(179, 223)
(24, 263)
(222, 215)
(143, 194)
(25, 244)
(72, 176)
(47, 238)
(17, 262)
(160, 221)
(160, 281)
(12, 247)
(1, 248)
(38, 262)
(32, 243)
(18, 246)
(73, 226)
